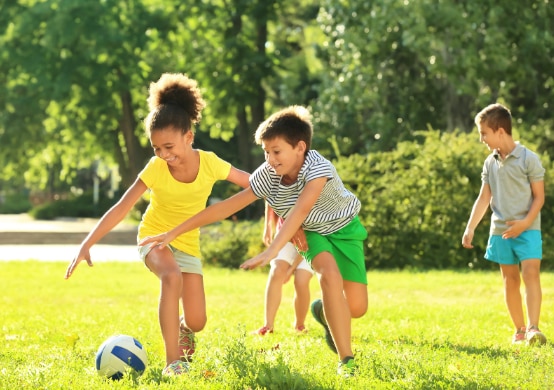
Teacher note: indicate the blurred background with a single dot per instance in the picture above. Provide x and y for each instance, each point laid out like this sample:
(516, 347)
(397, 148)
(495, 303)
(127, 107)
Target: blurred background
(393, 87)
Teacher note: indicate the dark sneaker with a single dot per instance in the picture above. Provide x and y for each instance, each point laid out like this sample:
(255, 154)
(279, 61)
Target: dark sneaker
(317, 312)
(347, 367)
(519, 336)
(187, 343)
(535, 336)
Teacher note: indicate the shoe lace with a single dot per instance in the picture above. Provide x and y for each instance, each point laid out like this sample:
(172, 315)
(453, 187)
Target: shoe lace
(186, 341)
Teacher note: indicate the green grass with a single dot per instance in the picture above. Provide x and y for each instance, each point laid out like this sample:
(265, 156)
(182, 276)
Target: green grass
(432, 330)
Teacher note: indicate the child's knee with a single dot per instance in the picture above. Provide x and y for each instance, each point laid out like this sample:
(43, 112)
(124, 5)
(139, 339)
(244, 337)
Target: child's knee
(279, 270)
(331, 277)
(358, 310)
(197, 324)
(172, 278)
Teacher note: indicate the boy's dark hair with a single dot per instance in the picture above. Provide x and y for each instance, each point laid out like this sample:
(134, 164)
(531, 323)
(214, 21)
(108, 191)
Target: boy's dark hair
(174, 101)
(293, 124)
(495, 116)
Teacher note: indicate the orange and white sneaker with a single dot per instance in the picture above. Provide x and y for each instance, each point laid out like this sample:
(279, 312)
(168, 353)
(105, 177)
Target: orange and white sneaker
(187, 342)
(535, 336)
(263, 331)
(519, 336)
(177, 367)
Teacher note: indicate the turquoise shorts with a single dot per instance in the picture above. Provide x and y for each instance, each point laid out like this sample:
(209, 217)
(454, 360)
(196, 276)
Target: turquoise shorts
(510, 251)
(187, 263)
(346, 246)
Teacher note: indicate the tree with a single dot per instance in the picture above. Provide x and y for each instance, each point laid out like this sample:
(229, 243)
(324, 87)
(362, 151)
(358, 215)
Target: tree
(248, 56)
(76, 75)
(396, 66)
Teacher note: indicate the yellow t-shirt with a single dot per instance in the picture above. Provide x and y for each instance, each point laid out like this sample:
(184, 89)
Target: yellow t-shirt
(173, 202)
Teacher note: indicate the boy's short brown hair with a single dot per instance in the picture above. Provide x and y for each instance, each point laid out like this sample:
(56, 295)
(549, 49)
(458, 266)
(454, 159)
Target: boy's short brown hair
(495, 116)
(293, 124)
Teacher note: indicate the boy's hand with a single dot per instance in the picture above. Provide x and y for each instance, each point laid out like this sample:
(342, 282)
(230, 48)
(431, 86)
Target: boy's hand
(467, 238)
(258, 261)
(83, 254)
(161, 239)
(515, 229)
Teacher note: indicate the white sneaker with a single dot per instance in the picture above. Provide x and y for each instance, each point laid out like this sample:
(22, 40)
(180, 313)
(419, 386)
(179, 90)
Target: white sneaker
(535, 336)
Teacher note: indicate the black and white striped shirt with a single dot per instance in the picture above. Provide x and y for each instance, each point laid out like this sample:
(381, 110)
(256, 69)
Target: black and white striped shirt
(333, 210)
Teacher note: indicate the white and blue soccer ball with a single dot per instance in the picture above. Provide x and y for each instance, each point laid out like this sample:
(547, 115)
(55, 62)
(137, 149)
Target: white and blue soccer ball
(120, 354)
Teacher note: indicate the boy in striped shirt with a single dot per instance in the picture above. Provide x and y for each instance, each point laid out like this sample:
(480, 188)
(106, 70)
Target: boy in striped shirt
(321, 219)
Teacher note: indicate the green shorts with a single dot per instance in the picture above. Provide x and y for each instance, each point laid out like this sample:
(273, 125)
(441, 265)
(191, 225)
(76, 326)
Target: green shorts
(346, 246)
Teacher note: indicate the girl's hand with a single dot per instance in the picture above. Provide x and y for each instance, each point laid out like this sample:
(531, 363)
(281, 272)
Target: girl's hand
(83, 254)
(267, 237)
(161, 239)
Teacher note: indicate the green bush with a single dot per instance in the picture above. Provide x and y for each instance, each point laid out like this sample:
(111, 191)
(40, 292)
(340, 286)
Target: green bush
(15, 204)
(229, 243)
(79, 207)
(416, 200)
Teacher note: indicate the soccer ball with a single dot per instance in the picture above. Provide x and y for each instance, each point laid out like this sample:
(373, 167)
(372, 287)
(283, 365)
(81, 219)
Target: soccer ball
(120, 354)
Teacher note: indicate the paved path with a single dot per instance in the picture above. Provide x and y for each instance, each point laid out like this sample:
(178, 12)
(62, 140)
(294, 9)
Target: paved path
(23, 238)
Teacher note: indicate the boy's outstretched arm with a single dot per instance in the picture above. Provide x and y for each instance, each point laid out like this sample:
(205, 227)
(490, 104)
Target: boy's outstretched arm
(479, 209)
(210, 214)
(292, 223)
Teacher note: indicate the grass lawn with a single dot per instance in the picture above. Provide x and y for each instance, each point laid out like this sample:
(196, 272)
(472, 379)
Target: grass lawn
(431, 330)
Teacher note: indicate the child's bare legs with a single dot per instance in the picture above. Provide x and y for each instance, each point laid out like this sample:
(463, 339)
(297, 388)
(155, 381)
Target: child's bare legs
(274, 291)
(194, 301)
(530, 272)
(356, 296)
(335, 306)
(162, 263)
(301, 296)
(512, 294)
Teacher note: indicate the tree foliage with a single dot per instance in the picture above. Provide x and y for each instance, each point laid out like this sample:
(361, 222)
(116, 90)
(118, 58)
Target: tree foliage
(75, 73)
(76, 76)
(392, 67)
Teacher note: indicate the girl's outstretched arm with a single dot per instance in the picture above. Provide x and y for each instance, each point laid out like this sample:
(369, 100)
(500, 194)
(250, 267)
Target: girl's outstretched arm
(238, 177)
(110, 219)
(210, 214)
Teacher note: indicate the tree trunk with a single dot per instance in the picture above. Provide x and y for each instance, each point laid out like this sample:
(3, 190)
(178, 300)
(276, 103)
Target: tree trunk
(134, 153)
